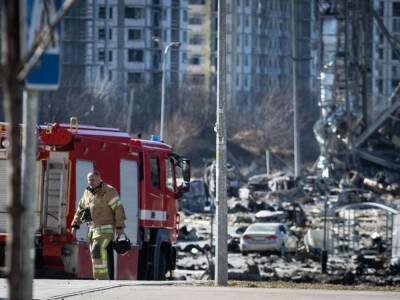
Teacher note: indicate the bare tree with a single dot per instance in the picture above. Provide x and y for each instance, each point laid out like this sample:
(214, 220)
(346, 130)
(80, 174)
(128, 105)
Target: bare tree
(91, 104)
(268, 126)
(13, 71)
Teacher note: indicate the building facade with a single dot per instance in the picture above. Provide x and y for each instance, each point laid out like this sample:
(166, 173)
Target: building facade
(128, 49)
(198, 57)
(259, 52)
(385, 60)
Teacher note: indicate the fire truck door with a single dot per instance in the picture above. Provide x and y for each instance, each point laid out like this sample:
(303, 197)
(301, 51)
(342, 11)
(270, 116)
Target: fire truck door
(170, 192)
(83, 167)
(129, 192)
(126, 265)
(153, 211)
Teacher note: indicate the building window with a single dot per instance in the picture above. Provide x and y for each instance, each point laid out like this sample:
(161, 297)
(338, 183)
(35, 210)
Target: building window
(185, 16)
(134, 78)
(185, 37)
(196, 39)
(100, 55)
(246, 81)
(396, 24)
(379, 84)
(134, 34)
(102, 12)
(201, 2)
(380, 53)
(133, 12)
(196, 20)
(174, 35)
(395, 55)
(165, 13)
(395, 83)
(198, 79)
(135, 55)
(169, 176)
(110, 56)
(101, 33)
(184, 57)
(155, 172)
(195, 60)
(396, 9)
(395, 72)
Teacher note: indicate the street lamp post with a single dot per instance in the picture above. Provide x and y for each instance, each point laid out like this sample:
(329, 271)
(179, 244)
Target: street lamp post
(165, 52)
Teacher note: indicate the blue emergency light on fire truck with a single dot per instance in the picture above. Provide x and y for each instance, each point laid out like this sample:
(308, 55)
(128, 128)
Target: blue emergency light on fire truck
(145, 174)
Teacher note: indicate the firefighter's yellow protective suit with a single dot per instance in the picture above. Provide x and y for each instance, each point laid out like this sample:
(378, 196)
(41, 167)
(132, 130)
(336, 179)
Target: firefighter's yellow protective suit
(107, 214)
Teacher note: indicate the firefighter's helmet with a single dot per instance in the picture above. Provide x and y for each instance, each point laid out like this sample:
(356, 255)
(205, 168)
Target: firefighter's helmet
(122, 245)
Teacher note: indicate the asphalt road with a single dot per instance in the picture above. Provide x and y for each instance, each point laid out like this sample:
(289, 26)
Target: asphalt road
(82, 289)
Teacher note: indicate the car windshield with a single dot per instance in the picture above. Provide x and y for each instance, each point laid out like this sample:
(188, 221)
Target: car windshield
(262, 227)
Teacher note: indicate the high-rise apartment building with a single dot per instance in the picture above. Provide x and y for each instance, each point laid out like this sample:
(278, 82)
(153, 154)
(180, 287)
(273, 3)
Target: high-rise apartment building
(198, 57)
(128, 49)
(259, 52)
(385, 60)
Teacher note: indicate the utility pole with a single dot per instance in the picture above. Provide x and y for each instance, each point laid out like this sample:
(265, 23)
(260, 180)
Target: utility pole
(94, 72)
(29, 141)
(106, 39)
(296, 150)
(221, 265)
(163, 85)
(130, 109)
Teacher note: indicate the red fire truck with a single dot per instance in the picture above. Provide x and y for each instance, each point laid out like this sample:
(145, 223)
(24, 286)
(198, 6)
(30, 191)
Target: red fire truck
(145, 174)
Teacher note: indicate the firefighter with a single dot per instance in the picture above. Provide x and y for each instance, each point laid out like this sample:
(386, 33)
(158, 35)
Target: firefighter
(101, 207)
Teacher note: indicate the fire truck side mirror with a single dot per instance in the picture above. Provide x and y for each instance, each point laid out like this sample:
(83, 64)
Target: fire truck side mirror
(186, 169)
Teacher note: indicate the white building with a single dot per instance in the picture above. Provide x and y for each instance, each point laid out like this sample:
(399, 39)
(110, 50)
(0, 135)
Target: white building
(198, 57)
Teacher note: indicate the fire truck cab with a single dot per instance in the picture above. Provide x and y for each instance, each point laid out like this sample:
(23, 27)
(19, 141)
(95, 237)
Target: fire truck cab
(144, 173)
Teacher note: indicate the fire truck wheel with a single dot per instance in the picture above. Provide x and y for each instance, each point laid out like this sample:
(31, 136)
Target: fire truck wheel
(162, 267)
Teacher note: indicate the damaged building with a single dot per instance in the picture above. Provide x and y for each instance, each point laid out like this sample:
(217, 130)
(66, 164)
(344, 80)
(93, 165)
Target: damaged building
(348, 211)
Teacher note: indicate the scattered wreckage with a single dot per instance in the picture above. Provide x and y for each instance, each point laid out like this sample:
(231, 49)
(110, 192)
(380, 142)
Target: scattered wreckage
(350, 213)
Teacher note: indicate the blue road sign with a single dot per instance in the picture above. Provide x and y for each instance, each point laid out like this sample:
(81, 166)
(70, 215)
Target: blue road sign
(38, 14)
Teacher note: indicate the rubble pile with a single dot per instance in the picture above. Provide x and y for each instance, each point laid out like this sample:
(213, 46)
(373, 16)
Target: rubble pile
(358, 217)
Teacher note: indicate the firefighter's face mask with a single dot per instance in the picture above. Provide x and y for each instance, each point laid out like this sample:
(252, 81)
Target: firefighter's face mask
(93, 181)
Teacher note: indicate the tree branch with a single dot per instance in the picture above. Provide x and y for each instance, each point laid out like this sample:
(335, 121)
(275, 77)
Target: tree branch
(42, 42)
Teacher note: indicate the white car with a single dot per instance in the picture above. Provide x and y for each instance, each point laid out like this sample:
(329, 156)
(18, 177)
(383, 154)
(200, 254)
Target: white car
(260, 237)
